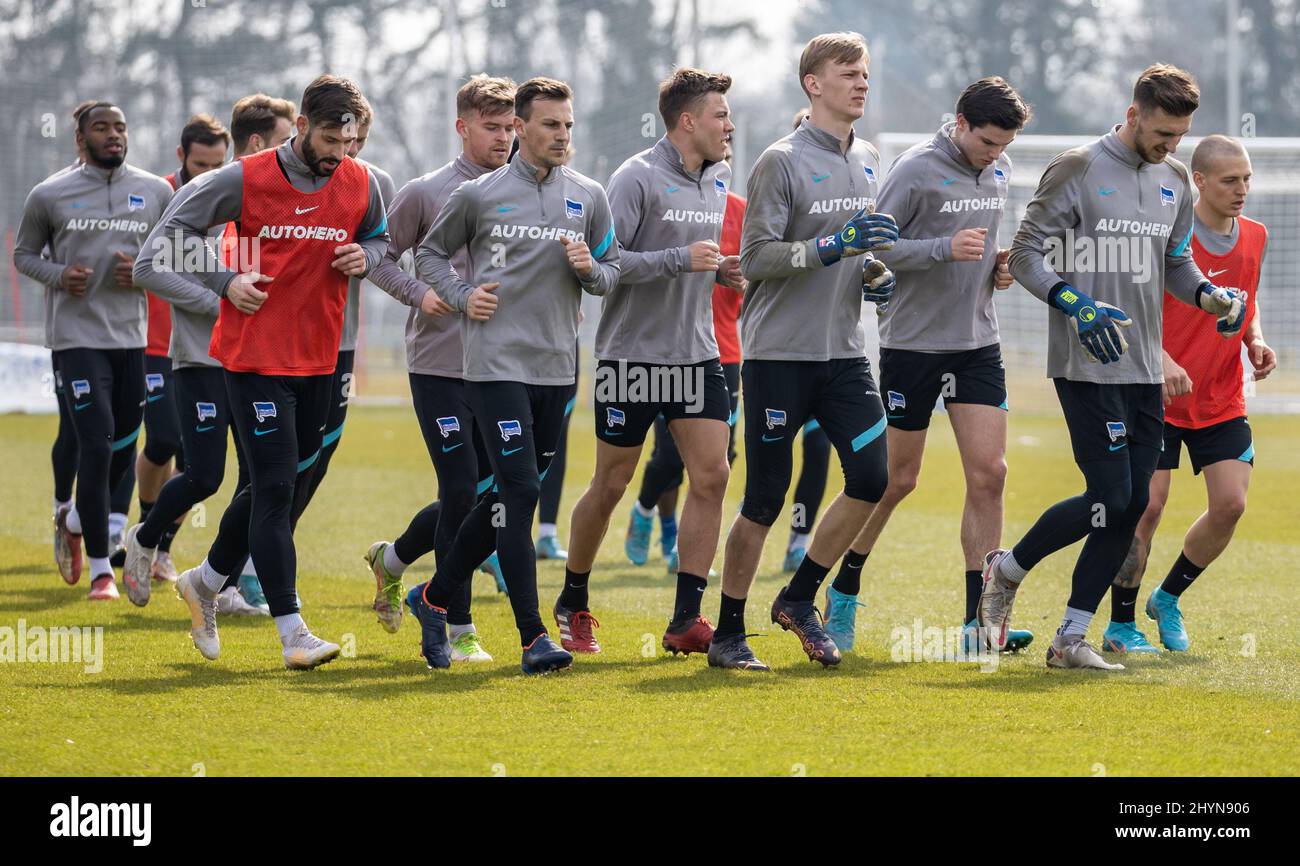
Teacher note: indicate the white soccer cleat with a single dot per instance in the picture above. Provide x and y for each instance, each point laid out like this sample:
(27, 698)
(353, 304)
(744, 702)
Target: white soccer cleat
(1073, 651)
(468, 648)
(137, 568)
(304, 651)
(231, 603)
(164, 570)
(996, 600)
(203, 614)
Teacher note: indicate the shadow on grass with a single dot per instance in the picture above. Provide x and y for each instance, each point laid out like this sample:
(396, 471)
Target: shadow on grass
(35, 569)
(42, 598)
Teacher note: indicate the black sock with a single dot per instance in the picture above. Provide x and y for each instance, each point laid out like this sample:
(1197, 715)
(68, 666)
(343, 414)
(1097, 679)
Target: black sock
(145, 508)
(731, 616)
(690, 589)
(974, 586)
(1181, 575)
(849, 578)
(574, 596)
(1123, 603)
(806, 581)
(165, 543)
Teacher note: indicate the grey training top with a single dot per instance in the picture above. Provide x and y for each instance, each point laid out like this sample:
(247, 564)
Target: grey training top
(1118, 229)
(802, 188)
(512, 225)
(352, 312)
(933, 192)
(82, 216)
(433, 345)
(660, 312)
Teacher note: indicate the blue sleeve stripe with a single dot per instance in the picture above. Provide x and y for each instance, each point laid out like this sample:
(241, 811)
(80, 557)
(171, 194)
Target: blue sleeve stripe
(604, 245)
(379, 229)
(1182, 248)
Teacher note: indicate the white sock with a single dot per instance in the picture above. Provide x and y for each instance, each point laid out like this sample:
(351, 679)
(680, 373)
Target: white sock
(116, 522)
(210, 581)
(100, 566)
(799, 539)
(392, 562)
(288, 626)
(636, 507)
(73, 521)
(455, 631)
(1075, 623)
(546, 530)
(1011, 570)
(58, 504)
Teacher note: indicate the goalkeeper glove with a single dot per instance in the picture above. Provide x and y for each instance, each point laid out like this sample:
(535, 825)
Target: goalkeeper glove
(1229, 305)
(863, 233)
(878, 284)
(1095, 322)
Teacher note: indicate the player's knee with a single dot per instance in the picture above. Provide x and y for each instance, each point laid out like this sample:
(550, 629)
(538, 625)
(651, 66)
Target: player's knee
(272, 497)
(867, 479)
(1112, 500)
(521, 494)
(763, 509)
(457, 499)
(710, 482)
(1227, 510)
(988, 482)
(610, 485)
(158, 450)
(901, 484)
(205, 482)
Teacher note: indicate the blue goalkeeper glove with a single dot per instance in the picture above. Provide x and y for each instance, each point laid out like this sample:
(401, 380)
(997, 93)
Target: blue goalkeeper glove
(1229, 305)
(863, 233)
(1097, 324)
(878, 284)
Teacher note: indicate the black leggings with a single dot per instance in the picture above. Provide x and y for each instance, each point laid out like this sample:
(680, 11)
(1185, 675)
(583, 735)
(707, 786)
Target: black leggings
(203, 409)
(548, 508)
(278, 420)
(520, 426)
(341, 390)
(63, 456)
(104, 389)
(810, 489)
(664, 471)
(162, 433)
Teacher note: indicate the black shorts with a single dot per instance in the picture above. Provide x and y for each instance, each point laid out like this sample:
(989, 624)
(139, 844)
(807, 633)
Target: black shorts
(629, 396)
(162, 430)
(1104, 420)
(1228, 440)
(911, 382)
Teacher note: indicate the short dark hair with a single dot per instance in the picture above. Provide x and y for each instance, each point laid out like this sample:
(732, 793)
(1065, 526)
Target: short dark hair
(1168, 88)
(539, 88)
(332, 101)
(993, 100)
(83, 111)
(256, 115)
(203, 129)
(485, 95)
(686, 89)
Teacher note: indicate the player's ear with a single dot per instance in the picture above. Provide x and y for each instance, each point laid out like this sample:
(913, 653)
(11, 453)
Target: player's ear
(180, 154)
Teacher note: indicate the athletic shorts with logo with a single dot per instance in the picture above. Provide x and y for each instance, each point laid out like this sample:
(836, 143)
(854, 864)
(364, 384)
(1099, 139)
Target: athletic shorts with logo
(699, 391)
(912, 382)
(1108, 421)
(1227, 440)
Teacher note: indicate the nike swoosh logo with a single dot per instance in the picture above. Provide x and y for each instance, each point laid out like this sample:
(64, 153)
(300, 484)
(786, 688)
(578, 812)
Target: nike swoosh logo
(1213, 274)
(671, 189)
(1126, 604)
(897, 417)
(205, 429)
(1116, 447)
(76, 205)
(947, 181)
(820, 178)
(447, 450)
(506, 209)
(1107, 191)
(155, 398)
(81, 406)
(505, 453)
(257, 432)
(302, 210)
(612, 433)
(767, 438)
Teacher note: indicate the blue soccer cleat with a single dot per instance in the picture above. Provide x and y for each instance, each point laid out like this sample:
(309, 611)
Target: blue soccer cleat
(841, 617)
(793, 557)
(1124, 637)
(548, 547)
(674, 561)
(492, 566)
(542, 656)
(1017, 638)
(434, 645)
(667, 539)
(637, 544)
(1163, 608)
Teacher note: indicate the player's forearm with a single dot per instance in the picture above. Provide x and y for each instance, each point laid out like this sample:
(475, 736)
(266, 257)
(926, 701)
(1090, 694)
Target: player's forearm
(375, 249)
(604, 276)
(390, 277)
(916, 254)
(436, 268)
(1183, 280)
(1255, 332)
(32, 264)
(646, 267)
(151, 272)
(772, 259)
(1029, 266)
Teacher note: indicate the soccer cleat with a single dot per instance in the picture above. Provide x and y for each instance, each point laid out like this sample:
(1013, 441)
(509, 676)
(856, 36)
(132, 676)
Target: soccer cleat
(793, 557)
(117, 544)
(103, 588)
(575, 629)
(231, 603)
(67, 547)
(542, 656)
(841, 618)
(136, 568)
(1075, 652)
(668, 541)
(492, 566)
(548, 547)
(1163, 608)
(692, 636)
(203, 614)
(996, 600)
(802, 618)
(1017, 638)
(434, 645)
(388, 589)
(637, 543)
(251, 589)
(304, 651)
(1124, 637)
(164, 570)
(468, 648)
(732, 651)
(674, 561)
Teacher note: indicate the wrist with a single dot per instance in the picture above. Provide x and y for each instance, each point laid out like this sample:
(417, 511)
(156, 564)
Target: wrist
(830, 249)
(1203, 291)
(1068, 299)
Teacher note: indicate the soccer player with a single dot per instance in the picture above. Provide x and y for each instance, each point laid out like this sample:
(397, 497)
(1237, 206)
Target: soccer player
(257, 122)
(939, 334)
(1106, 234)
(538, 234)
(92, 219)
(656, 328)
(1205, 405)
(809, 222)
(203, 147)
(485, 109)
(317, 218)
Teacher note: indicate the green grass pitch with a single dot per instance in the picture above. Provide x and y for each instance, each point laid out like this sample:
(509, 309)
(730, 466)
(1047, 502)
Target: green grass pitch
(1228, 707)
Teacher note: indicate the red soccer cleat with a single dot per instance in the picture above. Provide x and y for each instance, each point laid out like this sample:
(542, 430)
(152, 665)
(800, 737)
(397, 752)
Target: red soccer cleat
(104, 588)
(693, 636)
(575, 630)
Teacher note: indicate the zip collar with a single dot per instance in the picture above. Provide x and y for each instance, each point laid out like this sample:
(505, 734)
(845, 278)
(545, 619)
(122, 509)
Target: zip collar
(469, 168)
(943, 142)
(668, 152)
(103, 175)
(1114, 146)
(526, 170)
(823, 139)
